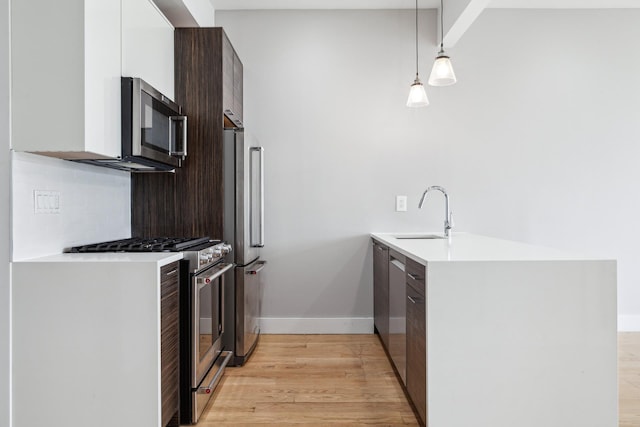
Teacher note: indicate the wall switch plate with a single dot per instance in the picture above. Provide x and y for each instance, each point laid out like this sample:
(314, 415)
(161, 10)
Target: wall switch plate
(46, 202)
(401, 203)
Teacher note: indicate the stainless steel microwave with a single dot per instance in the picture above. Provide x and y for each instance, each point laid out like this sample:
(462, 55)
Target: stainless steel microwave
(154, 130)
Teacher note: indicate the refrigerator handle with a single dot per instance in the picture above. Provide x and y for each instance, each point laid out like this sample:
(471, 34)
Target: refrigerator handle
(257, 270)
(260, 242)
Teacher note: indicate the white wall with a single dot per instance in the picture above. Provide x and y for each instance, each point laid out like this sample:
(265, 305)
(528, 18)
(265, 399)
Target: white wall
(95, 205)
(5, 173)
(537, 142)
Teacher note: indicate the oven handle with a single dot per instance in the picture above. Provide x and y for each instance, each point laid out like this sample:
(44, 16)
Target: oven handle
(207, 389)
(222, 304)
(205, 278)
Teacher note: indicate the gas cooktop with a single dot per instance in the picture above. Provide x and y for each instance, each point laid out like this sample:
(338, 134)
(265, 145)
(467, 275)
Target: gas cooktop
(159, 244)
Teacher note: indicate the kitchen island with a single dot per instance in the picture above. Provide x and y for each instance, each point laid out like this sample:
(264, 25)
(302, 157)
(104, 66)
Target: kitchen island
(513, 334)
(95, 340)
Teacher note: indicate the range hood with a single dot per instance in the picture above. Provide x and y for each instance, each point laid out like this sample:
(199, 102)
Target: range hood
(134, 165)
(126, 163)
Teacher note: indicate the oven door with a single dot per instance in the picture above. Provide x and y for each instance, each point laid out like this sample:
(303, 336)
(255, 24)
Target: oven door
(207, 325)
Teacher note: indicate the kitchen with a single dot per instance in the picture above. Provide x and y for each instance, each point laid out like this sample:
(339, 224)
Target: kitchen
(328, 105)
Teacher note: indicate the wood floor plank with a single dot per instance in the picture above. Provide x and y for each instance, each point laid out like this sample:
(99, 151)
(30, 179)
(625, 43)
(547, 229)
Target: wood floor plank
(629, 379)
(347, 380)
(311, 380)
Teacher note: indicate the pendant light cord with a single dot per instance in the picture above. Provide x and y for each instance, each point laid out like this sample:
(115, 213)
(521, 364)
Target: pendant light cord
(416, 39)
(441, 26)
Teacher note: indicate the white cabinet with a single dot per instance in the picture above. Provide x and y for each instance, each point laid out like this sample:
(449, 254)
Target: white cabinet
(65, 66)
(67, 59)
(147, 45)
(88, 340)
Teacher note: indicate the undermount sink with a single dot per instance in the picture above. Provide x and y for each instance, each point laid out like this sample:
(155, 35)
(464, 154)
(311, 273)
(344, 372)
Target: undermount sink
(418, 236)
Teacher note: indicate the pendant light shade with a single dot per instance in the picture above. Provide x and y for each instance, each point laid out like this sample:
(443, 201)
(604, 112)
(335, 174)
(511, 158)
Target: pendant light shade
(442, 72)
(417, 94)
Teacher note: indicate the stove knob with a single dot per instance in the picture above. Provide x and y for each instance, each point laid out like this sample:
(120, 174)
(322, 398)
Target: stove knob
(226, 249)
(205, 258)
(217, 252)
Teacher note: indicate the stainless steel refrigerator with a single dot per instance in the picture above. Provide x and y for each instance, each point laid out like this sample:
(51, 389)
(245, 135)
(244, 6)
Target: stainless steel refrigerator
(243, 223)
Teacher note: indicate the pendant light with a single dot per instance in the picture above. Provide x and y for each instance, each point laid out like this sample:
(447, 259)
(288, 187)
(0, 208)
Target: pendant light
(417, 94)
(442, 72)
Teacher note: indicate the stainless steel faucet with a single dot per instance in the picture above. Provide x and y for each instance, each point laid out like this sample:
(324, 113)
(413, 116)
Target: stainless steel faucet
(448, 222)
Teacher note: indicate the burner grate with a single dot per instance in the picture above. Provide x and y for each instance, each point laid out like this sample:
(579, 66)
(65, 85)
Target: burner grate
(159, 244)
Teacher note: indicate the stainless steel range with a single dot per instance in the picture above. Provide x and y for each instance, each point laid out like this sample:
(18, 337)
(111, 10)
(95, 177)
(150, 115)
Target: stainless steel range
(202, 313)
(204, 271)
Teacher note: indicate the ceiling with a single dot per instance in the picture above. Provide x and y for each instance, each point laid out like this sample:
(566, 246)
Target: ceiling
(423, 4)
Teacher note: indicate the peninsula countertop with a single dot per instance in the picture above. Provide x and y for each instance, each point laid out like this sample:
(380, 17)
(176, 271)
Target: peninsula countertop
(471, 247)
(510, 329)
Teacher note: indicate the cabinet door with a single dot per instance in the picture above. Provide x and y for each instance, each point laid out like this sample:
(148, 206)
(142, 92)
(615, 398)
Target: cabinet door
(231, 84)
(169, 338)
(381, 292)
(147, 45)
(417, 350)
(237, 87)
(65, 77)
(227, 77)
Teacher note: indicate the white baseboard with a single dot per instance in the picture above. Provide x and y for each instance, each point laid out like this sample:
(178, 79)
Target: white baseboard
(315, 325)
(359, 325)
(629, 323)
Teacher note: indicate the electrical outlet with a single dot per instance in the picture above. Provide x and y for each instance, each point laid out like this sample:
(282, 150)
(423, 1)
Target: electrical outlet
(46, 202)
(401, 203)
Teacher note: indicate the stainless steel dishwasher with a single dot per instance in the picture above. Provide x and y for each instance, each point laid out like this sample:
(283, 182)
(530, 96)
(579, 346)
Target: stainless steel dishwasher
(398, 313)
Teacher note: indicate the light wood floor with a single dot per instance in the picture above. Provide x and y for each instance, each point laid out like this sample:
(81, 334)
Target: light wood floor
(347, 380)
(629, 378)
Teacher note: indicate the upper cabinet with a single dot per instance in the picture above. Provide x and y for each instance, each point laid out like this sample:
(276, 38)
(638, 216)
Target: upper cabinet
(65, 68)
(231, 84)
(67, 59)
(205, 77)
(147, 45)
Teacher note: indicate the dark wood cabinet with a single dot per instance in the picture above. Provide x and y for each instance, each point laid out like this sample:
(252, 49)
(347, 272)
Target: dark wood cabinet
(417, 349)
(208, 81)
(400, 318)
(238, 88)
(169, 344)
(381, 292)
(232, 86)
(416, 275)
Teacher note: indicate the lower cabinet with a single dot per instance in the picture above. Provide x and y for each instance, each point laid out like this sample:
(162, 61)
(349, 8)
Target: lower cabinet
(108, 324)
(400, 318)
(417, 350)
(381, 291)
(169, 344)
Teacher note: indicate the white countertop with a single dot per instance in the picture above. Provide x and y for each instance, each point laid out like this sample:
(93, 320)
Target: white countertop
(471, 247)
(159, 258)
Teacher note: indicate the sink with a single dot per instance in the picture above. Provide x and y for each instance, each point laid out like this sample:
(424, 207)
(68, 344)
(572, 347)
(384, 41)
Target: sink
(418, 236)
